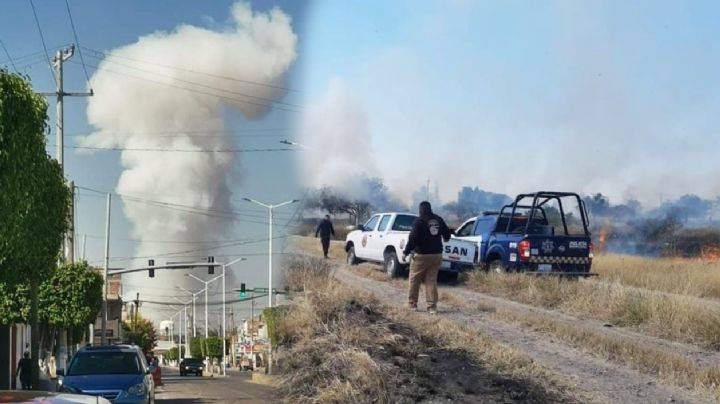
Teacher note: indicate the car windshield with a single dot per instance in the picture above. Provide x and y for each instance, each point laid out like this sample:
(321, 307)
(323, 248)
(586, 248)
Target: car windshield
(192, 361)
(102, 363)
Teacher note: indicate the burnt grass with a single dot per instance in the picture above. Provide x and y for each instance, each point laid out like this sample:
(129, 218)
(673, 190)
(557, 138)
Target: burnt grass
(416, 369)
(425, 372)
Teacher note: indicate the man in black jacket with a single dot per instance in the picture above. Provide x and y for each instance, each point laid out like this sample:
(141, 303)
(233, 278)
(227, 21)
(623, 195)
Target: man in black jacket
(24, 370)
(425, 240)
(325, 229)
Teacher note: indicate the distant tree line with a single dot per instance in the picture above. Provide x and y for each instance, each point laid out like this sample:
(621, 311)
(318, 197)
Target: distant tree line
(673, 228)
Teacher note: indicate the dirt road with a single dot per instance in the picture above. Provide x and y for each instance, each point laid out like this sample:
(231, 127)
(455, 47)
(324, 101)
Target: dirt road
(606, 380)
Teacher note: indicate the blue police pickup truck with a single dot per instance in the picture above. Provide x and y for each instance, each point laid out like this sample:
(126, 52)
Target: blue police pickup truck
(543, 233)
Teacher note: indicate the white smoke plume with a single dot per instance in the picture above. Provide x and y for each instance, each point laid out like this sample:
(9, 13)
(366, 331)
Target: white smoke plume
(338, 141)
(169, 90)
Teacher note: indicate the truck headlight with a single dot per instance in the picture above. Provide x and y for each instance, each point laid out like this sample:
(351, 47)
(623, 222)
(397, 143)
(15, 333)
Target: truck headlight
(137, 390)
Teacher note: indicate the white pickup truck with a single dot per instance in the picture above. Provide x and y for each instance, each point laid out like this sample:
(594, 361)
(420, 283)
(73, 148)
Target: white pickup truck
(383, 238)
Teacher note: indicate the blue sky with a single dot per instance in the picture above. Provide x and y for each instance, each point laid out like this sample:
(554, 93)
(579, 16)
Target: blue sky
(108, 25)
(514, 96)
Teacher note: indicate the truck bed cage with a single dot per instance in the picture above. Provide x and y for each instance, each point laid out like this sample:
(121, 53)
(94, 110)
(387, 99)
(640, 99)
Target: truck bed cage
(541, 198)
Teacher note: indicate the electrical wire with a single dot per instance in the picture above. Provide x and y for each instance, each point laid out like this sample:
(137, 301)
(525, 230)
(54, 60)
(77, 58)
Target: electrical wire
(194, 83)
(256, 150)
(202, 209)
(8, 56)
(77, 41)
(191, 89)
(42, 39)
(109, 54)
(196, 133)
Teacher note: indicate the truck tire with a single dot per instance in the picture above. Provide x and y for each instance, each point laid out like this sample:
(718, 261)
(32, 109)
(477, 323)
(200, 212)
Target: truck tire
(352, 259)
(392, 265)
(497, 266)
(451, 277)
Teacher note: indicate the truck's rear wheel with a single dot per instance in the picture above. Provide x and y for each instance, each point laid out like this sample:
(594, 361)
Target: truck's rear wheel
(392, 265)
(497, 267)
(352, 259)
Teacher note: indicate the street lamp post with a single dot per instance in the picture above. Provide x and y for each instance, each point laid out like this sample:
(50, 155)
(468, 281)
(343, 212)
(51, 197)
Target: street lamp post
(270, 240)
(206, 296)
(194, 294)
(187, 344)
(224, 315)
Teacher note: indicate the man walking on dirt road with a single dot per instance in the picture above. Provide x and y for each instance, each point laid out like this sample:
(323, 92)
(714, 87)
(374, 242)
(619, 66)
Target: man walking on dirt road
(325, 229)
(425, 240)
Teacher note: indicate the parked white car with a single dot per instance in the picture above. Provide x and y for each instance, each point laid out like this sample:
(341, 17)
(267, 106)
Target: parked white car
(383, 238)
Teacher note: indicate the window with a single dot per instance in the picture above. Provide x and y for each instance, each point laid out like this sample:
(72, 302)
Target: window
(384, 222)
(484, 226)
(403, 222)
(370, 225)
(99, 363)
(466, 229)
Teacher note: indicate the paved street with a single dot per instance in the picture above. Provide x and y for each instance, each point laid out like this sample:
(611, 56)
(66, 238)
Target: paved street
(236, 388)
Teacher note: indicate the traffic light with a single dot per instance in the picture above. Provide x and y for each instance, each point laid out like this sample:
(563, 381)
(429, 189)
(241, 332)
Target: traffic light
(151, 271)
(211, 268)
(242, 290)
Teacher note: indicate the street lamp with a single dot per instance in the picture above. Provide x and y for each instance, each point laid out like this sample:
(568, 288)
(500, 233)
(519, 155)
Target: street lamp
(206, 296)
(270, 240)
(187, 344)
(193, 294)
(224, 330)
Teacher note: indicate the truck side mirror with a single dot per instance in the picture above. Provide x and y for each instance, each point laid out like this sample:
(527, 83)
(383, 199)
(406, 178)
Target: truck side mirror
(361, 227)
(60, 372)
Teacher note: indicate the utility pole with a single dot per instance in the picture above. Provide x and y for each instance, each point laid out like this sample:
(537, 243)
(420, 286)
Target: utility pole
(105, 271)
(70, 236)
(59, 59)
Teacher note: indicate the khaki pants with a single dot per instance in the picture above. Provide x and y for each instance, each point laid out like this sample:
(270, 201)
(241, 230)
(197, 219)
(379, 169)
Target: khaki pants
(424, 268)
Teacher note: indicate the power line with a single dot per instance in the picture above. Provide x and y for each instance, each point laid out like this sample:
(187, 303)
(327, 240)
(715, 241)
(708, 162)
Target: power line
(42, 39)
(195, 133)
(191, 89)
(77, 41)
(180, 150)
(205, 211)
(8, 56)
(108, 54)
(204, 85)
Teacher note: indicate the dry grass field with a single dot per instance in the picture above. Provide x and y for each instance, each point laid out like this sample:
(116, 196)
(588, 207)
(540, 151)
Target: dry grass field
(339, 344)
(673, 317)
(673, 275)
(647, 301)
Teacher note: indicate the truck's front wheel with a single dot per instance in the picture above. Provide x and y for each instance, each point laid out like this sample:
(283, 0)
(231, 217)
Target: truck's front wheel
(352, 259)
(392, 265)
(497, 267)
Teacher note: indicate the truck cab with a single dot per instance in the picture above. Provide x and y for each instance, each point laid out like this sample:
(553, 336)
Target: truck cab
(544, 232)
(383, 238)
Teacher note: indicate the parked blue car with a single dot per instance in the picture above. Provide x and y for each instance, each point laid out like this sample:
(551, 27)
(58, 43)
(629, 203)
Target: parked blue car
(119, 373)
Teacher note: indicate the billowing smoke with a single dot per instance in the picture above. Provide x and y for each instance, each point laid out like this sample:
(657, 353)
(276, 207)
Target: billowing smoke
(170, 91)
(337, 138)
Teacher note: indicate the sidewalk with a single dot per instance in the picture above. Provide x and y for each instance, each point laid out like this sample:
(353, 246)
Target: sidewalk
(47, 384)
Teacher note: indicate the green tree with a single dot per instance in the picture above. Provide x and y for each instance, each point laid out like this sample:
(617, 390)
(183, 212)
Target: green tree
(140, 333)
(197, 346)
(71, 298)
(34, 202)
(213, 347)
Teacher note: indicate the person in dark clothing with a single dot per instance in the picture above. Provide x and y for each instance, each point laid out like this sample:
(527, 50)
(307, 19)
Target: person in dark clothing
(425, 241)
(325, 230)
(24, 369)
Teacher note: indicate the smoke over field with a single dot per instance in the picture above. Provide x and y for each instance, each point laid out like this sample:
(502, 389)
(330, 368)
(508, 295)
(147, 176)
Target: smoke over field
(162, 101)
